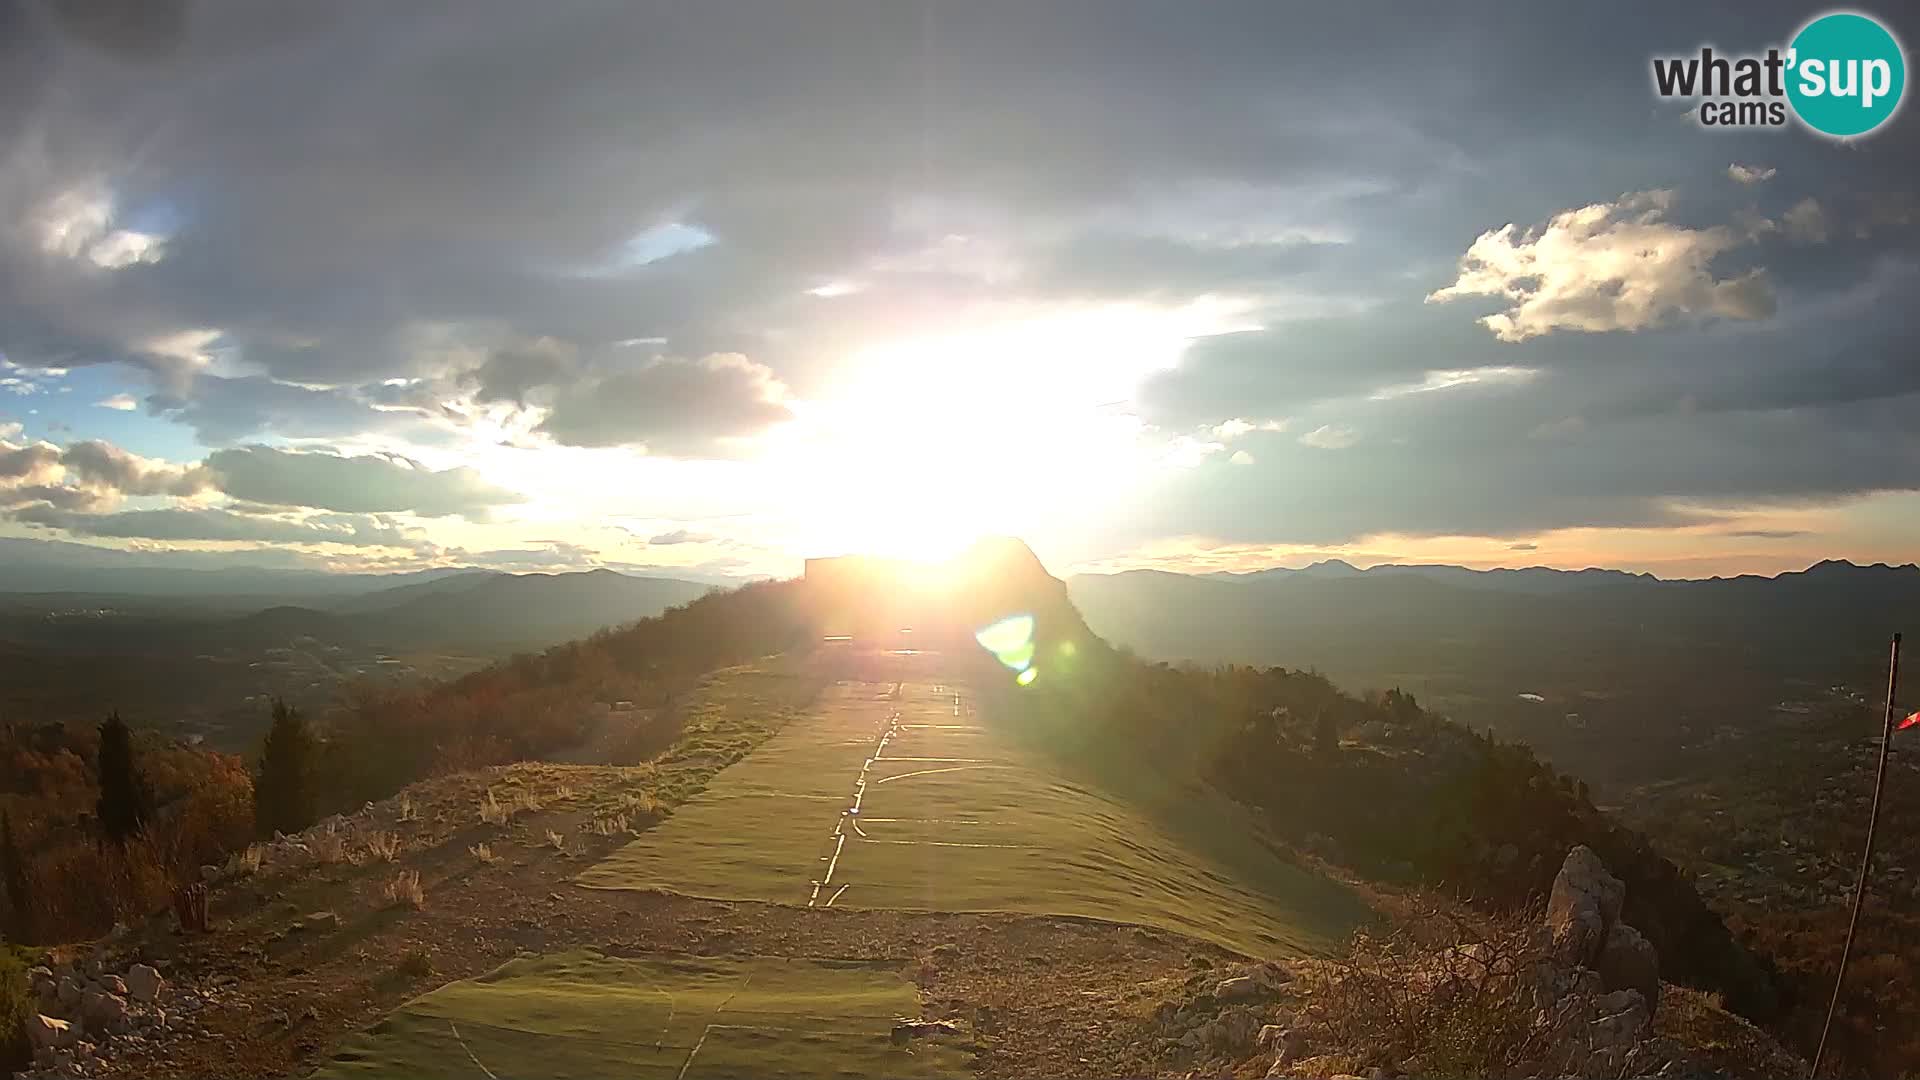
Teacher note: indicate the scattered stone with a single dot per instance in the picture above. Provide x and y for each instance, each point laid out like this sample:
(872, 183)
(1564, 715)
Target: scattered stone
(102, 1011)
(143, 982)
(69, 991)
(322, 920)
(114, 984)
(1239, 988)
(1237, 1031)
(1622, 1017)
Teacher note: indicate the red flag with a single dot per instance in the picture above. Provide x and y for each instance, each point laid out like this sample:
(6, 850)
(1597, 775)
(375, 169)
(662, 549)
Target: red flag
(1911, 721)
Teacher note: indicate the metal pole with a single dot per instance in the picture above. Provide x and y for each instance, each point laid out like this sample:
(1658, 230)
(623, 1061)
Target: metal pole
(1866, 859)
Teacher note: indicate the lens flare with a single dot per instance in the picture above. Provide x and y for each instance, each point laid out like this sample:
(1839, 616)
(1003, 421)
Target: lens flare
(1026, 677)
(1010, 641)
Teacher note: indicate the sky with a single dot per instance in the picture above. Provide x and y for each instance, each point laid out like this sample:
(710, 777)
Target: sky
(717, 287)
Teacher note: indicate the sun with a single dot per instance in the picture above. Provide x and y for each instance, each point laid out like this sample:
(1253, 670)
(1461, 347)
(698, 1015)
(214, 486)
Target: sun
(1018, 427)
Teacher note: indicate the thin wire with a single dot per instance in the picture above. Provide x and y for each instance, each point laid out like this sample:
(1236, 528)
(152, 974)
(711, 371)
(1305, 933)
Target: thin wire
(1866, 858)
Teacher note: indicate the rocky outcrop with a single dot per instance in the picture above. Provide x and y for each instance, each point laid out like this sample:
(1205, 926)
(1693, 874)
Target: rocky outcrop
(1585, 903)
(1584, 921)
(1627, 961)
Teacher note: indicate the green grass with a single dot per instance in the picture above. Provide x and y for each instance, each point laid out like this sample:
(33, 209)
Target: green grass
(581, 1014)
(987, 827)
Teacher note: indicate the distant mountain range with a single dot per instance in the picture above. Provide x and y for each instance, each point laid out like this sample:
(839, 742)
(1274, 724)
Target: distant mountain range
(474, 609)
(212, 579)
(1532, 579)
(1365, 626)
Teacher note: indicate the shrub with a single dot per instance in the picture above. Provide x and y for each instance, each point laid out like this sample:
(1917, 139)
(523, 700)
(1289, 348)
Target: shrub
(492, 812)
(415, 964)
(16, 1008)
(1404, 1001)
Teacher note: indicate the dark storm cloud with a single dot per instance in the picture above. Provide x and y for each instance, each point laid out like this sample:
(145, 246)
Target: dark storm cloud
(366, 484)
(378, 207)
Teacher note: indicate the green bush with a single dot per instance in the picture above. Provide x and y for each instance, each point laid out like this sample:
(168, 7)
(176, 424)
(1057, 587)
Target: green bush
(16, 1007)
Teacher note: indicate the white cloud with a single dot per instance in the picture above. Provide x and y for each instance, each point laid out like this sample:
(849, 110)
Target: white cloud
(76, 224)
(1608, 266)
(1229, 430)
(1447, 380)
(836, 288)
(1330, 437)
(1241, 457)
(120, 402)
(1750, 174)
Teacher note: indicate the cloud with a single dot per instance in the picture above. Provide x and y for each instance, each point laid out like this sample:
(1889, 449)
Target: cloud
(366, 484)
(1330, 437)
(1607, 266)
(207, 524)
(677, 536)
(118, 402)
(512, 374)
(1805, 222)
(31, 463)
(1750, 174)
(88, 475)
(675, 407)
(101, 466)
(1523, 547)
(224, 409)
(1240, 457)
(76, 224)
(1229, 430)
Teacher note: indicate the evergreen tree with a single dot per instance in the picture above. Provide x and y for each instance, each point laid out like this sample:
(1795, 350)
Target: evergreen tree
(126, 802)
(283, 795)
(13, 871)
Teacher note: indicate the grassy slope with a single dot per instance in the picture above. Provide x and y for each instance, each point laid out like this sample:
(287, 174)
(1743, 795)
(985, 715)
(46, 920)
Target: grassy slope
(582, 1014)
(995, 830)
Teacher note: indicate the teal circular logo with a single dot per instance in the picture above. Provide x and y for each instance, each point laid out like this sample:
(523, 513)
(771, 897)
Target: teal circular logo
(1845, 74)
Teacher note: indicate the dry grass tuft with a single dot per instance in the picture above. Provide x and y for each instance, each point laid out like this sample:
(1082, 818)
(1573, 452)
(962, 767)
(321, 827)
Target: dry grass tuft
(405, 889)
(492, 812)
(484, 853)
(246, 862)
(328, 846)
(383, 847)
(617, 825)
